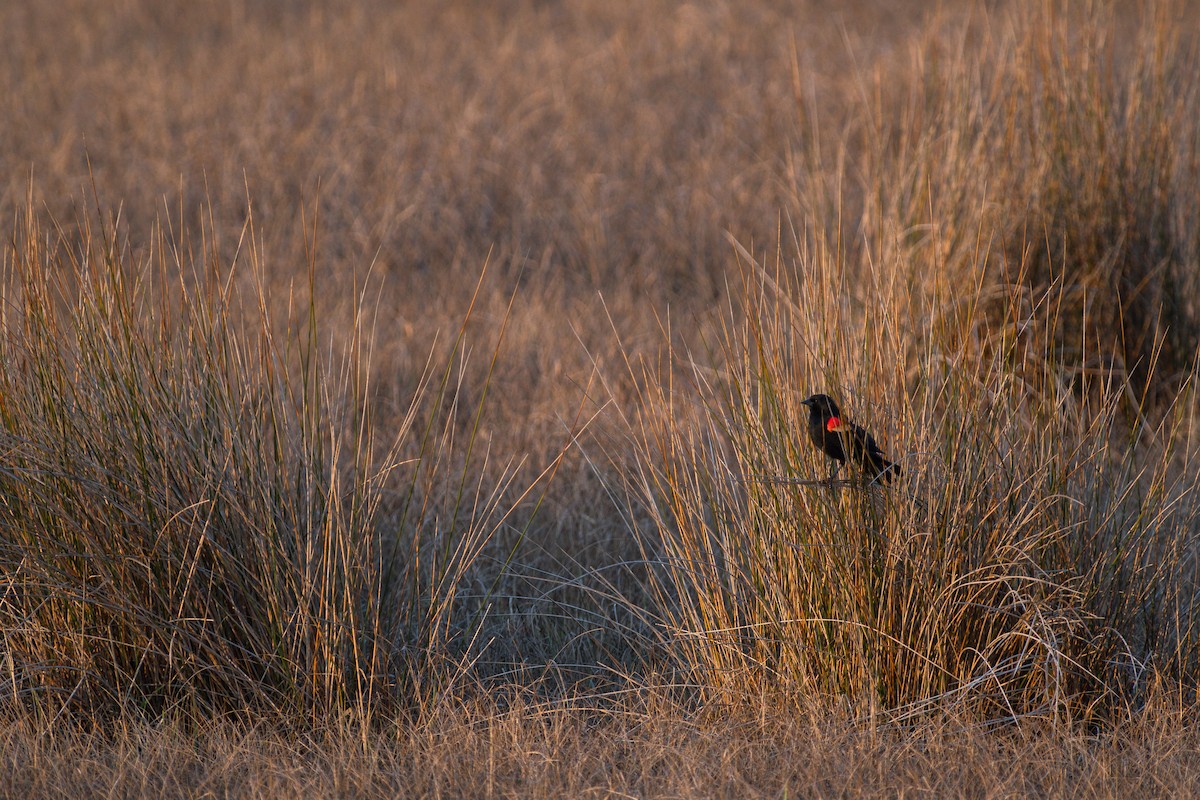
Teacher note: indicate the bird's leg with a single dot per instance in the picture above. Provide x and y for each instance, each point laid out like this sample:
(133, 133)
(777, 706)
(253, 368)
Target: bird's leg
(837, 467)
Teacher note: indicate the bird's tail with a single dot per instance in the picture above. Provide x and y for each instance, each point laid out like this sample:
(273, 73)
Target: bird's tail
(889, 472)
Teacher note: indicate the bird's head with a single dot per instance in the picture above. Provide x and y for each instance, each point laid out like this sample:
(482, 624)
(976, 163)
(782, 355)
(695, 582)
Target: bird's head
(823, 409)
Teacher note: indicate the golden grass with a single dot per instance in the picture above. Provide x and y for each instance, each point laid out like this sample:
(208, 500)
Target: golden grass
(274, 453)
(1029, 563)
(644, 748)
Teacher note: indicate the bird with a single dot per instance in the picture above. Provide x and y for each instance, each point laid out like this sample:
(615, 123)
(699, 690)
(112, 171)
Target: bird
(842, 440)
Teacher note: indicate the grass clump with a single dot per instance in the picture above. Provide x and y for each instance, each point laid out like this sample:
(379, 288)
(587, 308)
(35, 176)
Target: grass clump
(1037, 558)
(1070, 147)
(1000, 319)
(196, 513)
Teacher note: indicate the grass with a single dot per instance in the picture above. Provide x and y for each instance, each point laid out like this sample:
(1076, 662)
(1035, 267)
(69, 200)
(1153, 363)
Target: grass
(1030, 563)
(408, 399)
(641, 749)
(199, 517)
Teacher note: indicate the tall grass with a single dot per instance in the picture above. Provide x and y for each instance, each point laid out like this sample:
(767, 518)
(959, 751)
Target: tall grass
(1006, 318)
(198, 513)
(217, 496)
(1038, 556)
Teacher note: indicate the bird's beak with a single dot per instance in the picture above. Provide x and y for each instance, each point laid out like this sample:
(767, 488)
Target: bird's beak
(806, 402)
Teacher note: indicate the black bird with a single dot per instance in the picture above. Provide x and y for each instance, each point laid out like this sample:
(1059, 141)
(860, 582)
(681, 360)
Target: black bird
(841, 440)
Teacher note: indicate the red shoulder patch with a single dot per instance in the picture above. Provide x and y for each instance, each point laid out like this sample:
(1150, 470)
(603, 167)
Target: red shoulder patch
(833, 424)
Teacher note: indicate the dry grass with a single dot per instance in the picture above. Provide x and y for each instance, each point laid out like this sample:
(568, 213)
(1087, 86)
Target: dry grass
(272, 451)
(1038, 557)
(644, 747)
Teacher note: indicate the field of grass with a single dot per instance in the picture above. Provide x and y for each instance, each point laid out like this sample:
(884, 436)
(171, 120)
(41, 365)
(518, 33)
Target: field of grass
(405, 399)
